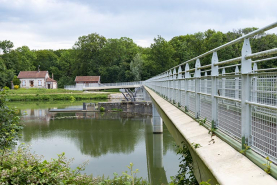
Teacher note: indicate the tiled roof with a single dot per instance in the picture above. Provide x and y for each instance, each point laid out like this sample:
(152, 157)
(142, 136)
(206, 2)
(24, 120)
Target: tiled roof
(32, 74)
(50, 80)
(87, 78)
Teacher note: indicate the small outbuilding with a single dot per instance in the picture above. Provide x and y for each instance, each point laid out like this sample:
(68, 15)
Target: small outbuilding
(36, 79)
(87, 81)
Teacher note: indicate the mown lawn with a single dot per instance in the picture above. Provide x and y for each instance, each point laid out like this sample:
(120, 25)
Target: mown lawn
(41, 91)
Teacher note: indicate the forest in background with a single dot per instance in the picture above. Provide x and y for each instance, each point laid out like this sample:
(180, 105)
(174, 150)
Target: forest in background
(121, 60)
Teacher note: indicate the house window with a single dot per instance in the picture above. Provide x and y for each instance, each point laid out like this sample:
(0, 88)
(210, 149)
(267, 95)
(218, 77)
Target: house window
(23, 83)
(40, 83)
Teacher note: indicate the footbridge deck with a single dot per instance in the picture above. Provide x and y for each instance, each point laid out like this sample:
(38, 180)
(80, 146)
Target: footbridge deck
(215, 160)
(111, 87)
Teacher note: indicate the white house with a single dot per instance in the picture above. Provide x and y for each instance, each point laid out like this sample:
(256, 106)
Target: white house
(36, 79)
(87, 81)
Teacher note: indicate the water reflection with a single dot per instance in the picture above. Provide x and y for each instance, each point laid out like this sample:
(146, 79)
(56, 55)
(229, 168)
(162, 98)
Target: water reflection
(109, 140)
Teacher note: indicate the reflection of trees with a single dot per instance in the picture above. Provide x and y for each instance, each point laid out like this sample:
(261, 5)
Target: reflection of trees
(94, 137)
(168, 141)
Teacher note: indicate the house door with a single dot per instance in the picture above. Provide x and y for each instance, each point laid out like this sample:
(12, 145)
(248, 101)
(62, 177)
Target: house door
(48, 86)
(32, 83)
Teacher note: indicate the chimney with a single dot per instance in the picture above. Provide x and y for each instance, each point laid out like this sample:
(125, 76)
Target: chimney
(38, 67)
(52, 76)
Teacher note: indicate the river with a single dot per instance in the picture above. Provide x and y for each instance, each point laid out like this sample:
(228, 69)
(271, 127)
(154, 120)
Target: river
(109, 141)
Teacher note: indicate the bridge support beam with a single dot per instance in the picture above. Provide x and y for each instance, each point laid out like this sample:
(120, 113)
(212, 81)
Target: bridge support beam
(157, 121)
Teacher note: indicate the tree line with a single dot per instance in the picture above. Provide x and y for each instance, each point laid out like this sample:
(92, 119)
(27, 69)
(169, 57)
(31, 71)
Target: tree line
(119, 60)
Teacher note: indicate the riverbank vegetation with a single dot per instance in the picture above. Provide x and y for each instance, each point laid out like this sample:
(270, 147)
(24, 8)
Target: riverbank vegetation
(53, 97)
(119, 60)
(185, 174)
(23, 167)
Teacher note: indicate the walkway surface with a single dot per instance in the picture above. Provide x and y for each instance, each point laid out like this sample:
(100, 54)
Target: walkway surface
(227, 165)
(110, 87)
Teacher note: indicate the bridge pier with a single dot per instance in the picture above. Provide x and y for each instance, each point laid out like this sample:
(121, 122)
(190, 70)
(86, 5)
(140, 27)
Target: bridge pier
(158, 150)
(157, 121)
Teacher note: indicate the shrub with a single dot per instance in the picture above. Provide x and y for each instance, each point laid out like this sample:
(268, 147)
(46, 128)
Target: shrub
(23, 167)
(16, 87)
(6, 88)
(102, 109)
(9, 124)
(72, 99)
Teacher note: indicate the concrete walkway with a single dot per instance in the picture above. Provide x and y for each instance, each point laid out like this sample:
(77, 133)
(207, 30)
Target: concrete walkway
(110, 87)
(228, 166)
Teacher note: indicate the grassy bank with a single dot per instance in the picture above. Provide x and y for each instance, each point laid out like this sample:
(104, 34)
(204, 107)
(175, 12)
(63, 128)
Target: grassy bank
(41, 91)
(51, 97)
(36, 94)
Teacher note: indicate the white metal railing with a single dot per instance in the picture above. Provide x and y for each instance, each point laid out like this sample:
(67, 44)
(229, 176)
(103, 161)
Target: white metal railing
(122, 83)
(241, 103)
(82, 86)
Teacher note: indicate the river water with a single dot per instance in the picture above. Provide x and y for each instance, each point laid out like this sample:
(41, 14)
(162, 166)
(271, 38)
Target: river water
(110, 141)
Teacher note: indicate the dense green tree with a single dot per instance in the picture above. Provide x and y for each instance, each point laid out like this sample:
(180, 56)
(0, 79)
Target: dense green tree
(6, 46)
(24, 59)
(6, 75)
(87, 51)
(136, 67)
(16, 81)
(161, 53)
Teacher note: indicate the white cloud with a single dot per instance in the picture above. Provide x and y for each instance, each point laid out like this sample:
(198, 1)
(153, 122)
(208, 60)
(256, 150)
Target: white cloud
(57, 24)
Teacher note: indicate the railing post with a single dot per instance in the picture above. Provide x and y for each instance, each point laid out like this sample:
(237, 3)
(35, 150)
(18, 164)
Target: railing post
(206, 83)
(169, 85)
(237, 83)
(223, 82)
(179, 86)
(246, 68)
(255, 85)
(174, 87)
(214, 78)
(187, 76)
(197, 76)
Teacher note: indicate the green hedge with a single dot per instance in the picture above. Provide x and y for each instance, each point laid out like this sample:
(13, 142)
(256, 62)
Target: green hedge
(45, 97)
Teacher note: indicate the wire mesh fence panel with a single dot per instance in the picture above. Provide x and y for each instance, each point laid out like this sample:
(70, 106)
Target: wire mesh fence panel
(229, 118)
(191, 85)
(229, 87)
(183, 94)
(264, 89)
(172, 91)
(264, 131)
(209, 86)
(191, 107)
(203, 85)
(169, 90)
(177, 91)
(206, 85)
(206, 108)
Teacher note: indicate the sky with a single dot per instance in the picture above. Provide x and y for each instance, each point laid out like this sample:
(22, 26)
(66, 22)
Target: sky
(57, 24)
